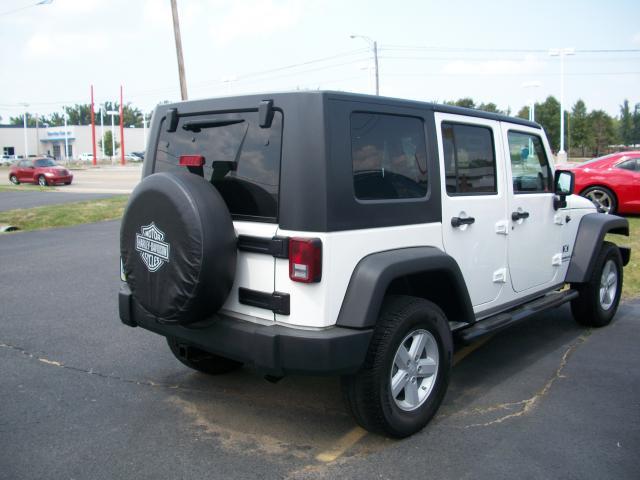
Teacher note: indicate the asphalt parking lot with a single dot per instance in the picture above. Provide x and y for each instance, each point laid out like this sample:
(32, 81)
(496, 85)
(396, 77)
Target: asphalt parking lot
(83, 396)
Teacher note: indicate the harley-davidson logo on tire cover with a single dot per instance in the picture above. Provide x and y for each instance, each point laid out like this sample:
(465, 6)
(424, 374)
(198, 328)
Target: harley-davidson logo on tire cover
(151, 246)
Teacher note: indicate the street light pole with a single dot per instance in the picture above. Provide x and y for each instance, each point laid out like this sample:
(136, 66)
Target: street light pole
(374, 47)
(24, 123)
(102, 131)
(113, 113)
(66, 140)
(176, 34)
(532, 101)
(562, 52)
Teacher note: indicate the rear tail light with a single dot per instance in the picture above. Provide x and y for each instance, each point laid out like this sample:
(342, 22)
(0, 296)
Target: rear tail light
(305, 260)
(191, 160)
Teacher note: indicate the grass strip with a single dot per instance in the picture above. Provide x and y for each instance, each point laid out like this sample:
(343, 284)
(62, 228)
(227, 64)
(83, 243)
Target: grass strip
(631, 288)
(66, 214)
(25, 188)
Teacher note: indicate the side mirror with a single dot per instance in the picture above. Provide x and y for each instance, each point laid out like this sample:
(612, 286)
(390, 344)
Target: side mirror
(563, 185)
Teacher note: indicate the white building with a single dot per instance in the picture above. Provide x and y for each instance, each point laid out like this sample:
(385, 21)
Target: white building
(51, 140)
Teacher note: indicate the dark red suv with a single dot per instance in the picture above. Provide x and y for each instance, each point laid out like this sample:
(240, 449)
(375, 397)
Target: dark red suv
(42, 171)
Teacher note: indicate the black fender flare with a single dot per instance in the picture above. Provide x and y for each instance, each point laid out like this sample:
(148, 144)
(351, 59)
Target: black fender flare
(591, 232)
(374, 273)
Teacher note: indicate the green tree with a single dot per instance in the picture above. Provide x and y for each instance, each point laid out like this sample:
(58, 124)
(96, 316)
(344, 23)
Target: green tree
(78, 114)
(54, 120)
(636, 124)
(490, 107)
(626, 123)
(108, 149)
(602, 131)
(466, 102)
(580, 138)
(19, 120)
(523, 112)
(548, 115)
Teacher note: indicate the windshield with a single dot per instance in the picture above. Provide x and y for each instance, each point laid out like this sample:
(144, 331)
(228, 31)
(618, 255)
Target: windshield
(242, 160)
(45, 162)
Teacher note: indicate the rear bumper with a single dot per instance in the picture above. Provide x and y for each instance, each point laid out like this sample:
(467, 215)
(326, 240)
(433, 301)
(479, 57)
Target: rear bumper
(272, 349)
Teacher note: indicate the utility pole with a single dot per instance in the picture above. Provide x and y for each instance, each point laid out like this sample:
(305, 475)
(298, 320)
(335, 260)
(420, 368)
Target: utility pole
(176, 33)
(121, 129)
(374, 46)
(24, 122)
(93, 131)
(375, 58)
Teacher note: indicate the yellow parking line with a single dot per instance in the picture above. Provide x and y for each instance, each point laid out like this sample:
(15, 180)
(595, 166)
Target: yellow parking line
(462, 353)
(342, 445)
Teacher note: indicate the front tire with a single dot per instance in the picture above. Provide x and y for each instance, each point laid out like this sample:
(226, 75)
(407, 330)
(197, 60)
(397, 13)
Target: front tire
(600, 296)
(42, 181)
(200, 360)
(406, 371)
(13, 179)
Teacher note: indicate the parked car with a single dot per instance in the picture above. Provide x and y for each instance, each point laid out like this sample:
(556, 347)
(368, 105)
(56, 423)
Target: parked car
(86, 157)
(359, 241)
(42, 171)
(7, 160)
(134, 157)
(611, 182)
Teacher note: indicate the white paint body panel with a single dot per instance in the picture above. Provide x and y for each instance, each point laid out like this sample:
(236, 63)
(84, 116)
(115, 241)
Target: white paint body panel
(318, 304)
(253, 270)
(533, 241)
(480, 248)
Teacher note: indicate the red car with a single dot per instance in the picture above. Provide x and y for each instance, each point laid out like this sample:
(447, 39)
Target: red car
(42, 171)
(612, 182)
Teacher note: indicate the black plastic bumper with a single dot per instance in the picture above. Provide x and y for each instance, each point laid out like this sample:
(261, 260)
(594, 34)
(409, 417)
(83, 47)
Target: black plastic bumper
(272, 349)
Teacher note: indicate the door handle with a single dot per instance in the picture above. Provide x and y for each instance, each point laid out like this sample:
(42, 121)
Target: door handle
(515, 216)
(458, 222)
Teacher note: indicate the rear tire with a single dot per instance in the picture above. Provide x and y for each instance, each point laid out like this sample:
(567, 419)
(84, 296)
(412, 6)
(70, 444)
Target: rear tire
(200, 360)
(13, 179)
(42, 181)
(600, 296)
(406, 371)
(603, 198)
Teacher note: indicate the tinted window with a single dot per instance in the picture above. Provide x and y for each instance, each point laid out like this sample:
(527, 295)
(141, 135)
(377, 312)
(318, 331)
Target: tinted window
(242, 160)
(389, 156)
(45, 162)
(529, 166)
(469, 159)
(631, 164)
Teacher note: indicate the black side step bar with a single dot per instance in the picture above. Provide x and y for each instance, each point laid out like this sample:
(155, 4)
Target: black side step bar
(506, 319)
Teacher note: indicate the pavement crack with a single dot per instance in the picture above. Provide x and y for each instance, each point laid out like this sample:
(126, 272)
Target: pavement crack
(527, 405)
(56, 364)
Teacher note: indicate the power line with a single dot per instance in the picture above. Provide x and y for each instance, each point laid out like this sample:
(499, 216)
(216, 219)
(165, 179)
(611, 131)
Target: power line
(41, 2)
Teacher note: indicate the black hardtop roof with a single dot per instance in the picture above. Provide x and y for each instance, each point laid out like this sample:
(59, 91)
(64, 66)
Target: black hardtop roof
(357, 97)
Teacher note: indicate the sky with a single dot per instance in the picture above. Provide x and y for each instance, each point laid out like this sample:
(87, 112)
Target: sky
(428, 50)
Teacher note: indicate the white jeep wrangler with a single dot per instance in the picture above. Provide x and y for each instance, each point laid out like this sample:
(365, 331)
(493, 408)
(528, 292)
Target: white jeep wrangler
(341, 234)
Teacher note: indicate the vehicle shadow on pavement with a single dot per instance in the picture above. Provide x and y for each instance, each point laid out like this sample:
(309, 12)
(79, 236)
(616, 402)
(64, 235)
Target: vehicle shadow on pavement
(303, 417)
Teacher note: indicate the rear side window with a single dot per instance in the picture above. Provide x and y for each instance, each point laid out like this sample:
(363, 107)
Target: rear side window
(632, 165)
(529, 165)
(469, 159)
(389, 157)
(242, 160)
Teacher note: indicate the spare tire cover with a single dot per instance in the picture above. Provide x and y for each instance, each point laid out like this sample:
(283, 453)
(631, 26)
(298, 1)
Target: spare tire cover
(178, 247)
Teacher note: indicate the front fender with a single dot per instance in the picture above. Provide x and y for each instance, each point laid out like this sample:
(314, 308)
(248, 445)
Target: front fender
(591, 232)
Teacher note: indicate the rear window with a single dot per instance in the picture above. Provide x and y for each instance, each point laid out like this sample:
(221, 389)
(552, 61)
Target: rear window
(389, 156)
(242, 160)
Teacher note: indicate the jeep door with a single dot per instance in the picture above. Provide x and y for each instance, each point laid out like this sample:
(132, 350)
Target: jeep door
(535, 253)
(474, 203)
